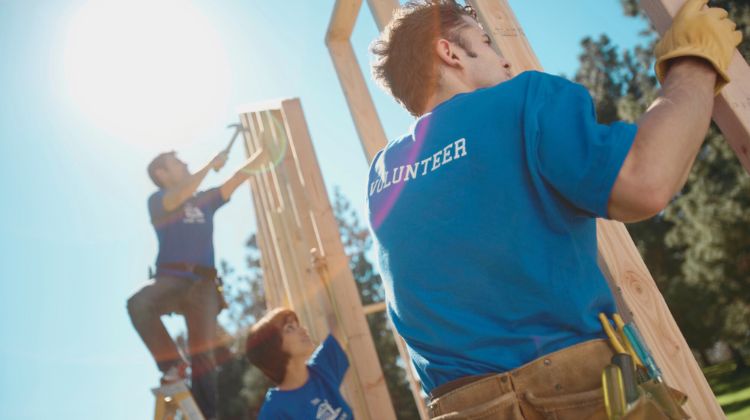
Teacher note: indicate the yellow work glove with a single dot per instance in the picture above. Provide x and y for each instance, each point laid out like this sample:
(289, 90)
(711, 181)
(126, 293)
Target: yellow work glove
(699, 32)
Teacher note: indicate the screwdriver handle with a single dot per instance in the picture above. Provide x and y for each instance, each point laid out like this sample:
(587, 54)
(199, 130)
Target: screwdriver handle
(614, 393)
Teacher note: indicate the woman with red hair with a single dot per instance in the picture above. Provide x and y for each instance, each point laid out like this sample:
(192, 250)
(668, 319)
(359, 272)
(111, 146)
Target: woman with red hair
(307, 378)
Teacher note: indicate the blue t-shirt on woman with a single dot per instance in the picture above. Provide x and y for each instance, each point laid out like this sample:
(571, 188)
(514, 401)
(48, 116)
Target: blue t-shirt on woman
(319, 398)
(484, 219)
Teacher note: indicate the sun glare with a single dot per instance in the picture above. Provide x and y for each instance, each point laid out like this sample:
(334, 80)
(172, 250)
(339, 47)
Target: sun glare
(147, 71)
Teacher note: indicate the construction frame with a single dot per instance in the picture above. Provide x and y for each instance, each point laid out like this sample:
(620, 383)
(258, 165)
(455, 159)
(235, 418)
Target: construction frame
(304, 264)
(637, 296)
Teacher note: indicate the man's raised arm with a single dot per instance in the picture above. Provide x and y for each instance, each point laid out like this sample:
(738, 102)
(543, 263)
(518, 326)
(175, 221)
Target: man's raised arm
(253, 164)
(175, 196)
(692, 58)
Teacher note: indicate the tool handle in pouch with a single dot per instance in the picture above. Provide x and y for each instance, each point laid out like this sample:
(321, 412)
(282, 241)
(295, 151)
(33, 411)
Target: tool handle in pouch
(614, 392)
(635, 339)
(625, 363)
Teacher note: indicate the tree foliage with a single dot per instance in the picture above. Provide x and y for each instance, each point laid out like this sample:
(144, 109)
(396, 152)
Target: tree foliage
(698, 249)
(241, 386)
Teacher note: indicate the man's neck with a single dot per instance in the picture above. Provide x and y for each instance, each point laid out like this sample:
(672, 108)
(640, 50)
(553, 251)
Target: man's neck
(296, 375)
(445, 93)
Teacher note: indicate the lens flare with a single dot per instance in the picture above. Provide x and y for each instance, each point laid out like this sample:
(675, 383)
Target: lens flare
(275, 142)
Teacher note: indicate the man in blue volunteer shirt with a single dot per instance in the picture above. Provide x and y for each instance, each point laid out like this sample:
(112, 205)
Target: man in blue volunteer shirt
(185, 281)
(484, 212)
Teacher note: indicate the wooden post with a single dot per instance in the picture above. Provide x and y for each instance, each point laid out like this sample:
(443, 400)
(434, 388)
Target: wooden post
(366, 121)
(275, 295)
(620, 260)
(414, 383)
(295, 215)
(508, 38)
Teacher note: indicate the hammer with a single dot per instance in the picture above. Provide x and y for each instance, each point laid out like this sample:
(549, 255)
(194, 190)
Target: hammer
(237, 130)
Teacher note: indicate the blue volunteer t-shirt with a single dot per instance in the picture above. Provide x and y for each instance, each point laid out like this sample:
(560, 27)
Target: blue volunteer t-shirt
(185, 234)
(319, 398)
(484, 218)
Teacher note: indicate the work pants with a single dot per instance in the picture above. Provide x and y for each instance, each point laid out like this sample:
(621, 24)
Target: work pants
(199, 302)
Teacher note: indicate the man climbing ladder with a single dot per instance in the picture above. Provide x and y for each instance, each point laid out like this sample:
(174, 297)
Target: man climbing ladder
(185, 281)
(484, 213)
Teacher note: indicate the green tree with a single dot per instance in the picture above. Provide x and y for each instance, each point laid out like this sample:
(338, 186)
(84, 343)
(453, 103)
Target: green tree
(241, 386)
(698, 248)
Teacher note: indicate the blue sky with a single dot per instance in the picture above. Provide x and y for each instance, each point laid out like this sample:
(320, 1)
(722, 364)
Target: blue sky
(90, 92)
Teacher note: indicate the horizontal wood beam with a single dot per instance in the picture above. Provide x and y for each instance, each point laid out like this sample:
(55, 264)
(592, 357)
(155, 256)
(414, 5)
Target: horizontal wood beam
(374, 307)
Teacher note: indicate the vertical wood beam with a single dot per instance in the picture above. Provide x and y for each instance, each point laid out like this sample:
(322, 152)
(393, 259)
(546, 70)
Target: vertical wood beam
(294, 215)
(275, 295)
(361, 349)
(414, 383)
(270, 206)
(361, 106)
(508, 38)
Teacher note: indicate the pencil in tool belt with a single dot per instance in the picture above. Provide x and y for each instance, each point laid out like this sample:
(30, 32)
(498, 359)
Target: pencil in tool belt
(611, 334)
(631, 332)
(614, 393)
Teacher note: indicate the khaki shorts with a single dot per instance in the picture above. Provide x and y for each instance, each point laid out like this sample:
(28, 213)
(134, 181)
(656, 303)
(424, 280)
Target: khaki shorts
(564, 385)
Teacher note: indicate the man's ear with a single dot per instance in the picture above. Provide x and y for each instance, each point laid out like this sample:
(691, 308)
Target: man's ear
(446, 52)
(160, 174)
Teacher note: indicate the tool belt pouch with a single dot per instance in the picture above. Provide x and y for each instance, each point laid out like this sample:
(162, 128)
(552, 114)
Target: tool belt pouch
(658, 401)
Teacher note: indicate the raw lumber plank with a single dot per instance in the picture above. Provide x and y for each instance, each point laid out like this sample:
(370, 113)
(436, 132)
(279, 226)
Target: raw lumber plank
(382, 11)
(275, 295)
(343, 289)
(366, 120)
(294, 215)
(646, 306)
(272, 209)
(414, 383)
